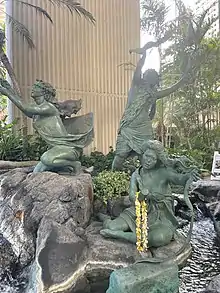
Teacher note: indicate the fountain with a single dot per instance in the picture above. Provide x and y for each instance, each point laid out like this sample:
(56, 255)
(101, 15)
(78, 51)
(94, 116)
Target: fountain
(51, 241)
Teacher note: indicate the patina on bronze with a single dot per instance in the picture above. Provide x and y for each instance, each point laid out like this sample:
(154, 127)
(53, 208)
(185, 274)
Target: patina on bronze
(66, 137)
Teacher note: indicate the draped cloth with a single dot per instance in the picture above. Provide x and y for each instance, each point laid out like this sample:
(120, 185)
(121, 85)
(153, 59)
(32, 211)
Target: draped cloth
(135, 125)
(160, 209)
(71, 132)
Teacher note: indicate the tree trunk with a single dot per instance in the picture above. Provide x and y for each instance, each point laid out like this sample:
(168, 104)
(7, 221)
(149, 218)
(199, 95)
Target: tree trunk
(8, 67)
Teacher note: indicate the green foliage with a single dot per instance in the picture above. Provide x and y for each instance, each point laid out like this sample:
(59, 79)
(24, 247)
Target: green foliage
(154, 17)
(16, 147)
(99, 161)
(102, 162)
(9, 142)
(110, 185)
(3, 102)
(202, 158)
(131, 164)
(191, 116)
(194, 115)
(20, 28)
(33, 147)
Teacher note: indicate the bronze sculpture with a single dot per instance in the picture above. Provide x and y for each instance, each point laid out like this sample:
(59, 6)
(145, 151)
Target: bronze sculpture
(152, 179)
(66, 137)
(135, 125)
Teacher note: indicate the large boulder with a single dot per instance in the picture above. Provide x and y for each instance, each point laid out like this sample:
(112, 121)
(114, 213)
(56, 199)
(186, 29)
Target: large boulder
(88, 260)
(60, 253)
(28, 199)
(65, 261)
(207, 190)
(46, 218)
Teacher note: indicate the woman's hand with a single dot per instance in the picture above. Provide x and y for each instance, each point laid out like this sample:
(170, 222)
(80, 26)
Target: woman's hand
(5, 87)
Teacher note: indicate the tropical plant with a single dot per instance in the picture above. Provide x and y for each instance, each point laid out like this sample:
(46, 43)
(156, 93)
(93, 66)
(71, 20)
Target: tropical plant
(185, 32)
(13, 148)
(99, 161)
(194, 119)
(20, 28)
(111, 185)
(155, 22)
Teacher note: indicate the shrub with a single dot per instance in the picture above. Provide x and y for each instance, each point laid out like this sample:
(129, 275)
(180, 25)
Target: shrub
(201, 158)
(102, 162)
(16, 147)
(99, 161)
(110, 185)
(131, 164)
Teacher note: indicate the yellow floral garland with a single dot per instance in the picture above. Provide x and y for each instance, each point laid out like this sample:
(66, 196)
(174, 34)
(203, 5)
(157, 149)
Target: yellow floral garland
(141, 224)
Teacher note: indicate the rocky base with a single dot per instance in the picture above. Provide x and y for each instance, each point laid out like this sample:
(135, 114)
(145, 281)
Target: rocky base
(46, 216)
(75, 267)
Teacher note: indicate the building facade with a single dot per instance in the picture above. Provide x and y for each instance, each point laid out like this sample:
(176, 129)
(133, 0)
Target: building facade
(81, 60)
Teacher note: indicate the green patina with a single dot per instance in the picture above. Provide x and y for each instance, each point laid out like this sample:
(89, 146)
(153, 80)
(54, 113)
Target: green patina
(65, 137)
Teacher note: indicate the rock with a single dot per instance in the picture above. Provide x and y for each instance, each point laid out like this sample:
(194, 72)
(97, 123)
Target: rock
(110, 254)
(96, 259)
(59, 254)
(214, 285)
(171, 249)
(29, 198)
(65, 262)
(145, 278)
(182, 222)
(8, 259)
(207, 190)
(116, 206)
(99, 207)
(213, 211)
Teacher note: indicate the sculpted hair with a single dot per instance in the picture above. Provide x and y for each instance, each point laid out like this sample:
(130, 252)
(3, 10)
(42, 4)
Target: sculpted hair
(48, 89)
(179, 164)
(158, 148)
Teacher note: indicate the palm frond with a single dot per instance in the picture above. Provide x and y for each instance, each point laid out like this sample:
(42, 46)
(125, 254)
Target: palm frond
(21, 29)
(76, 7)
(38, 9)
(207, 26)
(205, 12)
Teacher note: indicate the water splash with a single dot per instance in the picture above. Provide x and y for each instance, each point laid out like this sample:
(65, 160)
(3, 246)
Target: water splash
(205, 261)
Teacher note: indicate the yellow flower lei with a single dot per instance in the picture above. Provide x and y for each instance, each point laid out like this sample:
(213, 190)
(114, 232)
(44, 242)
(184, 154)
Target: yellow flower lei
(141, 224)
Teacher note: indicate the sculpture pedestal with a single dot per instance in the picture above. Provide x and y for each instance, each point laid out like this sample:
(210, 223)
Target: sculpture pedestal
(145, 278)
(149, 277)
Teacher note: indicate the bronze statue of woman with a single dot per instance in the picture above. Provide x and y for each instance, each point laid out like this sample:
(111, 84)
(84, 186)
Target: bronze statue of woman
(152, 179)
(136, 126)
(65, 137)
